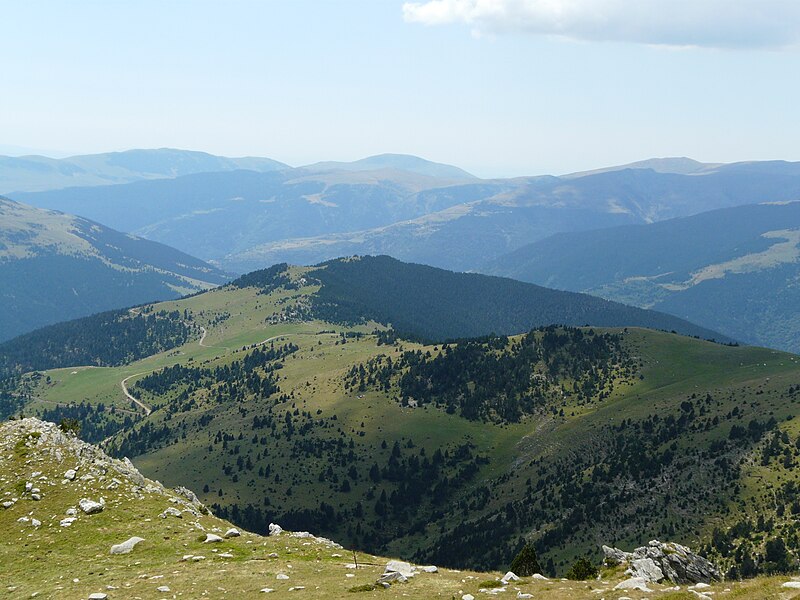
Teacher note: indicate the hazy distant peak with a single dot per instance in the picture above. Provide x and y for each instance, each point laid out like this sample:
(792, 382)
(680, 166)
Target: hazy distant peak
(37, 173)
(401, 162)
(679, 165)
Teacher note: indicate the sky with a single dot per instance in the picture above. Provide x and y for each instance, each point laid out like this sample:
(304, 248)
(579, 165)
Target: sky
(498, 87)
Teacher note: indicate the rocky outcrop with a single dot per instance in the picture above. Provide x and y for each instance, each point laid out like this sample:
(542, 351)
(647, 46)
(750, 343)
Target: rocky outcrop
(659, 561)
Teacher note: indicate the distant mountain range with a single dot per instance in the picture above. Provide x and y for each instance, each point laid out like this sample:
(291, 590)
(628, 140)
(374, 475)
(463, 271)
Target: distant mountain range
(55, 267)
(35, 173)
(735, 270)
(216, 215)
(407, 207)
(507, 214)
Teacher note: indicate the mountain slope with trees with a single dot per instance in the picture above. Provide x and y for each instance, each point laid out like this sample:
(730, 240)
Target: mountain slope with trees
(55, 267)
(455, 453)
(735, 270)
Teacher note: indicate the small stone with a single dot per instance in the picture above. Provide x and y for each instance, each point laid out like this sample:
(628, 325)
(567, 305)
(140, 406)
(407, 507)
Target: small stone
(171, 512)
(794, 585)
(281, 576)
(71, 512)
(431, 569)
(275, 529)
(70, 474)
(162, 588)
(467, 597)
(266, 590)
(232, 532)
(98, 596)
(67, 521)
(510, 576)
(212, 538)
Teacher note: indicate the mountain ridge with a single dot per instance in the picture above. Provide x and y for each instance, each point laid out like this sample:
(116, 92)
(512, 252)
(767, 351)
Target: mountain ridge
(734, 268)
(56, 266)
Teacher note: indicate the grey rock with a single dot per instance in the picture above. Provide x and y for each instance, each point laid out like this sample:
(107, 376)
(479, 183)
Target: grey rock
(212, 538)
(70, 474)
(98, 596)
(614, 556)
(127, 546)
(275, 529)
(647, 569)
(232, 532)
(399, 566)
(171, 512)
(90, 507)
(673, 561)
(391, 577)
(634, 583)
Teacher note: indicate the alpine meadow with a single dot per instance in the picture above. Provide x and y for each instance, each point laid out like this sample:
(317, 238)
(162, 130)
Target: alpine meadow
(450, 299)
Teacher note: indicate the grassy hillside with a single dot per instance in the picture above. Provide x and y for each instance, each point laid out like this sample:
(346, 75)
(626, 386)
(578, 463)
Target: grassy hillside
(173, 560)
(734, 270)
(613, 436)
(55, 267)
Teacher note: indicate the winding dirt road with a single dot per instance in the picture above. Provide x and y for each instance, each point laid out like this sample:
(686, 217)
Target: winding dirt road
(130, 397)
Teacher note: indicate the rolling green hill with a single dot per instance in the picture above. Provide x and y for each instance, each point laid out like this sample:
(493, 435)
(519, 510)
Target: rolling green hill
(435, 304)
(450, 453)
(55, 267)
(734, 270)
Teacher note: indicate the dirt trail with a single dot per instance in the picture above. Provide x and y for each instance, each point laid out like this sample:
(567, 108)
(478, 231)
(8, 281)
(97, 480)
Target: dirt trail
(136, 401)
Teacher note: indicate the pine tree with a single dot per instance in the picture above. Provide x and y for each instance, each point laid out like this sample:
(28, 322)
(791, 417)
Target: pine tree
(526, 563)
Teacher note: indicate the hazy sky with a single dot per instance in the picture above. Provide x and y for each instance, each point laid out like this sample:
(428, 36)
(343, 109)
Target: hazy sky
(499, 87)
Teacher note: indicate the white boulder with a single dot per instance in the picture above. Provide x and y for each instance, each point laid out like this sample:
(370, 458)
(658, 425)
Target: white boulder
(90, 507)
(127, 546)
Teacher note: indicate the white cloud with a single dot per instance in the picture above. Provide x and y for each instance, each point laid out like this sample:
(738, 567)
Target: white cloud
(705, 23)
